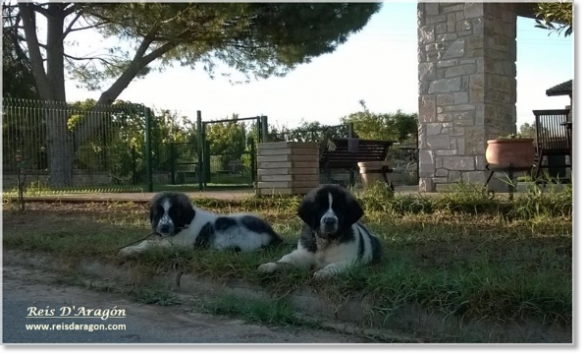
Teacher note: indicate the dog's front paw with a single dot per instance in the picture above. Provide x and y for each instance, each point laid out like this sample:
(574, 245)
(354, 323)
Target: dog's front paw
(324, 273)
(269, 267)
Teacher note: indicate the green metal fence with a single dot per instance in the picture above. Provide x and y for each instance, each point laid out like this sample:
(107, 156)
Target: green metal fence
(129, 147)
(81, 146)
(230, 163)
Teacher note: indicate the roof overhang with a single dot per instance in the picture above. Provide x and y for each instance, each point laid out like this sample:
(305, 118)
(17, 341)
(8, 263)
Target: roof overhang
(565, 88)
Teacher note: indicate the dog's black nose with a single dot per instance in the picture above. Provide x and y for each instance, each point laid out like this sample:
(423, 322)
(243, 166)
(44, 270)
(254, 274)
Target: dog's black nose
(329, 221)
(165, 229)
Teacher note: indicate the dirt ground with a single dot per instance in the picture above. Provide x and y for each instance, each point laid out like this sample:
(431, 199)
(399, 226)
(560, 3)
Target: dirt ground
(23, 288)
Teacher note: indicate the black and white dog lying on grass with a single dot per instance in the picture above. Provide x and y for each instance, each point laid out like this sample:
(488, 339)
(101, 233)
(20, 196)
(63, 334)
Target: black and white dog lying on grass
(173, 217)
(331, 239)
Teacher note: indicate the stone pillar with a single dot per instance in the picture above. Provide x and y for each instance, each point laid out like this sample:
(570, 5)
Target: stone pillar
(467, 87)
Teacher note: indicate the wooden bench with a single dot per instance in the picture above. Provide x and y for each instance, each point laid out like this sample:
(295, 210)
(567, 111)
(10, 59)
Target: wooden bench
(342, 158)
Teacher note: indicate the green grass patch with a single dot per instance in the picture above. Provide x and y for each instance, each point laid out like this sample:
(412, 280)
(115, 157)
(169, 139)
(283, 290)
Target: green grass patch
(465, 253)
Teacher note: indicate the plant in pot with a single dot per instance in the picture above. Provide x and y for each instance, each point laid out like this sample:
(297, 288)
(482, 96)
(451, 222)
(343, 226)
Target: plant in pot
(510, 151)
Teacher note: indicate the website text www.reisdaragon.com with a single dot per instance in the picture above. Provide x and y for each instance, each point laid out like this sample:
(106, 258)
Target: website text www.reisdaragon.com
(75, 327)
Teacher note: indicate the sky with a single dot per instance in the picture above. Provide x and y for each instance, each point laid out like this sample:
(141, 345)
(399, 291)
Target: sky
(378, 65)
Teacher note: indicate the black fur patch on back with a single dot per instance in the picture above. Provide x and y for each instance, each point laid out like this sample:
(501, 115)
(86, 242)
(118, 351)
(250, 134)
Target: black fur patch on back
(374, 243)
(205, 235)
(259, 226)
(224, 223)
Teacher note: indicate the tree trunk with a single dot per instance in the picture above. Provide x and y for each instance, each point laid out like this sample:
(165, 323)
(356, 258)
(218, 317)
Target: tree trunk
(60, 148)
(51, 85)
(58, 135)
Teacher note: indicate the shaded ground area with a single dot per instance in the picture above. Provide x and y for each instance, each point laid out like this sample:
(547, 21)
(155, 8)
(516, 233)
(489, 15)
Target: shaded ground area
(23, 289)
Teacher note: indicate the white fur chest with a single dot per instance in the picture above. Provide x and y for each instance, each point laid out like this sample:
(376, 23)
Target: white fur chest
(184, 238)
(331, 252)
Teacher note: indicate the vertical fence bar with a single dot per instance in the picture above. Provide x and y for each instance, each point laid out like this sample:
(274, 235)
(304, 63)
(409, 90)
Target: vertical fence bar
(104, 138)
(259, 128)
(148, 149)
(206, 159)
(173, 167)
(264, 128)
(156, 148)
(134, 173)
(200, 138)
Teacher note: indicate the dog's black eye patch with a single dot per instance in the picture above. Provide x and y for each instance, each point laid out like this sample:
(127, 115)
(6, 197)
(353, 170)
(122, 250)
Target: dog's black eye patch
(156, 212)
(321, 203)
(174, 212)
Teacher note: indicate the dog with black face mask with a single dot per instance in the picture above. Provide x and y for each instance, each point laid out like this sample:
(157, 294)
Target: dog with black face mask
(174, 218)
(332, 238)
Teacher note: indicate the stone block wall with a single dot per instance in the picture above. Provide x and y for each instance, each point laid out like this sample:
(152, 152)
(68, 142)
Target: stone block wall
(467, 87)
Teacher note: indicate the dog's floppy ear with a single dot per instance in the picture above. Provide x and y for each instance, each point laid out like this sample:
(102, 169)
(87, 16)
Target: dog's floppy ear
(307, 211)
(153, 213)
(189, 215)
(353, 211)
(186, 215)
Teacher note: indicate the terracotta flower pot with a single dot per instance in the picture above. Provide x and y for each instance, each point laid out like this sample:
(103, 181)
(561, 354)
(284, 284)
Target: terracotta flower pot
(504, 152)
(370, 172)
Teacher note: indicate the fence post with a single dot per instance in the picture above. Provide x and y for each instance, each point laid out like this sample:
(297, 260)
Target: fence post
(207, 159)
(264, 128)
(148, 148)
(200, 138)
(350, 128)
(259, 128)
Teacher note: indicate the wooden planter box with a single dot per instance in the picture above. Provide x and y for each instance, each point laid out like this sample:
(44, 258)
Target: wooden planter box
(287, 167)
